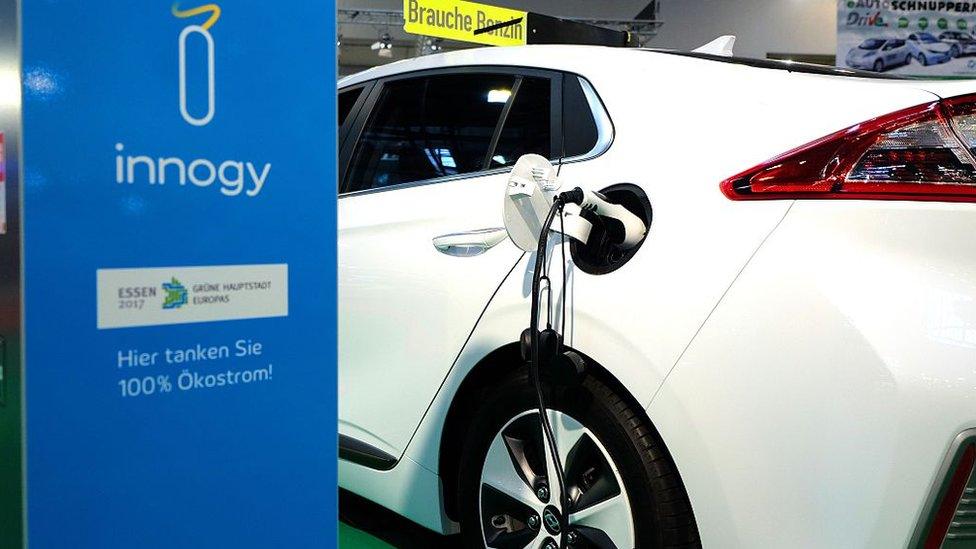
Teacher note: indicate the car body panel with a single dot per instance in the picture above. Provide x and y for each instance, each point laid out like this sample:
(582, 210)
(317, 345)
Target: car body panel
(681, 125)
(409, 489)
(817, 403)
(949, 88)
(390, 273)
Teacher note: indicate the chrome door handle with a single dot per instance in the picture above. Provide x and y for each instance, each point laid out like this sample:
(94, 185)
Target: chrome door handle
(469, 243)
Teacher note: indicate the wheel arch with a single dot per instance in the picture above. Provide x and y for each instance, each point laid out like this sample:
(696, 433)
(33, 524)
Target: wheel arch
(500, 362)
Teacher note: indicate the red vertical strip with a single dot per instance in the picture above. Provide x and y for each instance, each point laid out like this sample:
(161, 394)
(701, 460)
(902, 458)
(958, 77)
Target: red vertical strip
(950, 501)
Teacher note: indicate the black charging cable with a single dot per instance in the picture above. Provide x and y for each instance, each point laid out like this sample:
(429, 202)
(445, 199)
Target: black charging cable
(552, 343)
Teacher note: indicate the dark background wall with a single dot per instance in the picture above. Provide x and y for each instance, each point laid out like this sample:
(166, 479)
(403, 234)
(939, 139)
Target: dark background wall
(11, 441)
(761, 27)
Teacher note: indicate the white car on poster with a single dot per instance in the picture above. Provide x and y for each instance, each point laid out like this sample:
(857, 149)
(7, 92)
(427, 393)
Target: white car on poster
(927, 49)
(960, 43)
(787, 360)
(879, 54)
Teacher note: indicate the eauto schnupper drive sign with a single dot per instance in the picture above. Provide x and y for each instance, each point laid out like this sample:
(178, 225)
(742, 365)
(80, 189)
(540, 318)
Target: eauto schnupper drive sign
(912, 37)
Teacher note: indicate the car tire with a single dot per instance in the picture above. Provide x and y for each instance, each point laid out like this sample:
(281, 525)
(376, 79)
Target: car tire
(659, 507)
(922, 60)
(878, 66)
(954, 52)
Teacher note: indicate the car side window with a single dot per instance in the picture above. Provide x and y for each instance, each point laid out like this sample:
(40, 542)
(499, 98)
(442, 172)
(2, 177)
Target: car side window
(579, 132)
(527, 126)
(347, 99)
(427, 127)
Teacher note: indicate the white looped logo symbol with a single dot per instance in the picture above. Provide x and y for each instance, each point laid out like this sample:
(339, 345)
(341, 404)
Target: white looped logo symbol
(204, 31)
(210, 75)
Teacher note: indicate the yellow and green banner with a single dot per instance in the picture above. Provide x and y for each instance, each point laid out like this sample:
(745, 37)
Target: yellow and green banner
(465, 22)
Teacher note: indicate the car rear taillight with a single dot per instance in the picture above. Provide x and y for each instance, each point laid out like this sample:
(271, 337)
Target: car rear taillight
(921, 153)
(953, 519)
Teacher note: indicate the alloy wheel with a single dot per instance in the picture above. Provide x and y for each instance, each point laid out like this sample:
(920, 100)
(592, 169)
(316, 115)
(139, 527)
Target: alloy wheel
(520, 501)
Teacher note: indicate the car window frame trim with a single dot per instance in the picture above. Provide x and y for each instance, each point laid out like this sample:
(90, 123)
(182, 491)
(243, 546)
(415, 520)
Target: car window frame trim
(355, 130)
(496, 134)
(364, 88)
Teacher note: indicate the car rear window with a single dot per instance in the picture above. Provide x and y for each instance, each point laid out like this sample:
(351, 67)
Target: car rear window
(580, 133)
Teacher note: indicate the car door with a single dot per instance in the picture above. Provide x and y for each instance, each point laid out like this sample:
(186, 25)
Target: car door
(966, 43)
(903, 50)
(422, 246)
(950, 40)
(889, 54)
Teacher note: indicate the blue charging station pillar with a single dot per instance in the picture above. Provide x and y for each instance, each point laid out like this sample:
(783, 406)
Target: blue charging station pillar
(178, 218)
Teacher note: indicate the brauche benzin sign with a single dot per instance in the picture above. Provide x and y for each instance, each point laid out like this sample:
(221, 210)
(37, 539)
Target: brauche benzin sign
(465, 21)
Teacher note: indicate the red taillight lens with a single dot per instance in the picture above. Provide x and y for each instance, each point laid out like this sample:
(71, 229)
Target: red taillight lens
(922, 153)
(947, 510)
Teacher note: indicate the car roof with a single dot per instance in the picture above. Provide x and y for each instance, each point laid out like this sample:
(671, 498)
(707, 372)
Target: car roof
(570, 58)
(526, 56)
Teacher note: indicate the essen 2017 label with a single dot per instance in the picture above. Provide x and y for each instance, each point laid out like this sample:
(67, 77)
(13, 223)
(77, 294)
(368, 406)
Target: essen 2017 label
(177, 295)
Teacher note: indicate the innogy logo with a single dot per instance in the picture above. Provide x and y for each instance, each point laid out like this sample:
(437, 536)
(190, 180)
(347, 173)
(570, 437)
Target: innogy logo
(233, 177)
(203, 30)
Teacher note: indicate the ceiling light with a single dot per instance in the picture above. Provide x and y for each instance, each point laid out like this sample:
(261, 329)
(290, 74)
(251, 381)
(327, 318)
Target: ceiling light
(499, 96)
(384, 46)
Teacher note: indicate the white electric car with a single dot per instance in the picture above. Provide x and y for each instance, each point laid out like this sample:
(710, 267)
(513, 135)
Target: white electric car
(928, 50)
(961, 43)
(788, 359)
(880, 54)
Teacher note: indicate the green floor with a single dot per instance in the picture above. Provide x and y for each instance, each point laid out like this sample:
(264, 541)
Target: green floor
(352, 538)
